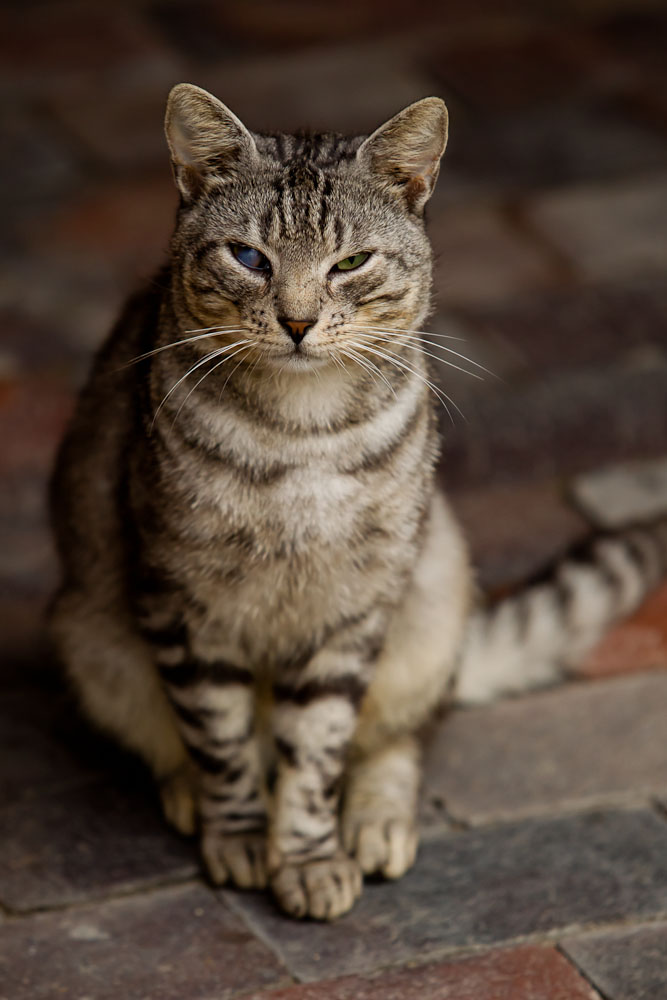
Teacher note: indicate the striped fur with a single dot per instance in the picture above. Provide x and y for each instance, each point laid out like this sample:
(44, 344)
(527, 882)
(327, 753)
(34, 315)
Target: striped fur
(262, 593)
(534, 637)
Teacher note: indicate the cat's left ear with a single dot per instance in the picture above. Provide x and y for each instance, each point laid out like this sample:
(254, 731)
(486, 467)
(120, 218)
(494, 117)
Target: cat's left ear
(405, 152)
(204, 138)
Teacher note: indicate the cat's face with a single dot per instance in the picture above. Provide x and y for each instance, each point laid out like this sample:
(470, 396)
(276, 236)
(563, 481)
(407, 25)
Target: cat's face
(302, 246)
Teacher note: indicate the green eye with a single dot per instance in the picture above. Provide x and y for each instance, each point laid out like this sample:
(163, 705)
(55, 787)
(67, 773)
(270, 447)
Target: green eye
(349, 264)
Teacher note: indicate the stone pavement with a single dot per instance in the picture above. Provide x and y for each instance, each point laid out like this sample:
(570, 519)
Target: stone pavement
(543, 870)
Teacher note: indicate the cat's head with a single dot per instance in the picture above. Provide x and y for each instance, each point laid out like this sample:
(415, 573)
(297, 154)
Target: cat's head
(302, 244)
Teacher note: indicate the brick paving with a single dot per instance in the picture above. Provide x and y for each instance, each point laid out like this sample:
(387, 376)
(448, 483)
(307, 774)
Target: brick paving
(543, 869)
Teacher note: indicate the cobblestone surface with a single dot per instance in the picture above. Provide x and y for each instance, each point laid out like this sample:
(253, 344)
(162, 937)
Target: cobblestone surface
(549, 228)
(172, 943)
(484, 887)
(578, 747)
(512, 974)
(624, 963)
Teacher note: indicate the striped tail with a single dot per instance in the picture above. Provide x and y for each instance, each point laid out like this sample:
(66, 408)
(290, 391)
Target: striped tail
(534, 637)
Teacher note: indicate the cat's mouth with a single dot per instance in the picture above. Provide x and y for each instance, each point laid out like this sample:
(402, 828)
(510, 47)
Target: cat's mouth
(299, 359)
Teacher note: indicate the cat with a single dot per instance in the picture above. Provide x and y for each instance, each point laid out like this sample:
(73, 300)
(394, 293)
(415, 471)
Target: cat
(263, 594)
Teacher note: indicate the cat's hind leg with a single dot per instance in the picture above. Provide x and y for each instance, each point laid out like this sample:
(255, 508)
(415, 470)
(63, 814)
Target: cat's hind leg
(380, 805)
(111, 670)
(411, 678)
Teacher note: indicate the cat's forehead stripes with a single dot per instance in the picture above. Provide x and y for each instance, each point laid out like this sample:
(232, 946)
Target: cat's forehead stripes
(302, 202)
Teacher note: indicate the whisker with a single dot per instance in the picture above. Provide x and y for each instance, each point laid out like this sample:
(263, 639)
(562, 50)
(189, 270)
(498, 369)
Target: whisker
(336, 359)
(353, 356)
(202, 361)
(421, 350)
(439, 393)
(239, 362)
(177, 343)
(205, 376)
(440, 347)
(429, 333)
(356, 357)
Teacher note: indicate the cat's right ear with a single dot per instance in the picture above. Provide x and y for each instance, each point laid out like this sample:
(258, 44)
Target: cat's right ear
(204, 139)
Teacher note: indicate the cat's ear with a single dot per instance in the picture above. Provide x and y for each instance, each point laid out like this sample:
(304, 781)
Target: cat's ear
(405, 152)
(204, 138)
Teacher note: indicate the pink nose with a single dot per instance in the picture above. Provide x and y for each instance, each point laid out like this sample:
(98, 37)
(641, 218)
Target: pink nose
(297, 328)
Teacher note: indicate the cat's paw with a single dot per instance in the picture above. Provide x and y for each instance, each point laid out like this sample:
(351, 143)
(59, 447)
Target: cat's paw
(178, 801)
(322, 890)
(381, 846)
(238, 858)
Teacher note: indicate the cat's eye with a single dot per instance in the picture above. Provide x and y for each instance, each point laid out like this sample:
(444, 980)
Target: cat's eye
(250, 258)
(349, 263)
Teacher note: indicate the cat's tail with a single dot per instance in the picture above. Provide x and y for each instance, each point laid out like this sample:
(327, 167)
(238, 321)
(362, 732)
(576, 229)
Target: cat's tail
(535, 636)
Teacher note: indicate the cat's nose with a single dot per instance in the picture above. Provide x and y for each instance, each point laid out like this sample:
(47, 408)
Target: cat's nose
(297, 328)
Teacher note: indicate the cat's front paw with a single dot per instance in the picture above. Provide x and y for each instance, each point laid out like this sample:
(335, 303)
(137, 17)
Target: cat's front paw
(239, 858)
(322, 890)
(381, 846)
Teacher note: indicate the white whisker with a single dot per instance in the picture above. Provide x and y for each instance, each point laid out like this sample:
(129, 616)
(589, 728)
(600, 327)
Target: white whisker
(366, 361)
(239, 362)
(202, 361)
(440, 347)
(393, 359)
(395, 329)
(205, 376)
(412, 347)
(353, 356)
(177, 343)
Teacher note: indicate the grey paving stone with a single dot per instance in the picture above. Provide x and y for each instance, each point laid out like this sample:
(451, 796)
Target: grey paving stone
(481, 258)
(576, 746)
(575, 326)
(35, 756)
(626, 964)
(482, 887)
(515, 530)
(549, 147)
(612, 231)
(167, 945)
(83, 842)
(621, 494)
(371, 81)
(559, 426)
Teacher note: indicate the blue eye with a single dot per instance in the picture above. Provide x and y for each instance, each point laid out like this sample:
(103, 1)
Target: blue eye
(250, 257)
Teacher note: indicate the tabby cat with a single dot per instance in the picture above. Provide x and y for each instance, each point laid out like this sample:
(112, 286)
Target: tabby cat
(263, 595)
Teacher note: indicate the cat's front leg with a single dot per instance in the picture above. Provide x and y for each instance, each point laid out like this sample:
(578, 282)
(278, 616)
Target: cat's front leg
(315, 715)
(213, 698)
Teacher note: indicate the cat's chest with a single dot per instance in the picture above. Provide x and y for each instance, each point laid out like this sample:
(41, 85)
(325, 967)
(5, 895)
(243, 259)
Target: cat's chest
(308, 503)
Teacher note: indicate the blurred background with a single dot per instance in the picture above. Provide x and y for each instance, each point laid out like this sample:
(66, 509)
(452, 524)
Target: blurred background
(549, 224)
(550, 229)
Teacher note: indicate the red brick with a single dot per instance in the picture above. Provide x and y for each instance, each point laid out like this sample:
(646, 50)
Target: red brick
(640, 643)
(125, 225)
(33, 414)
(530, 973)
